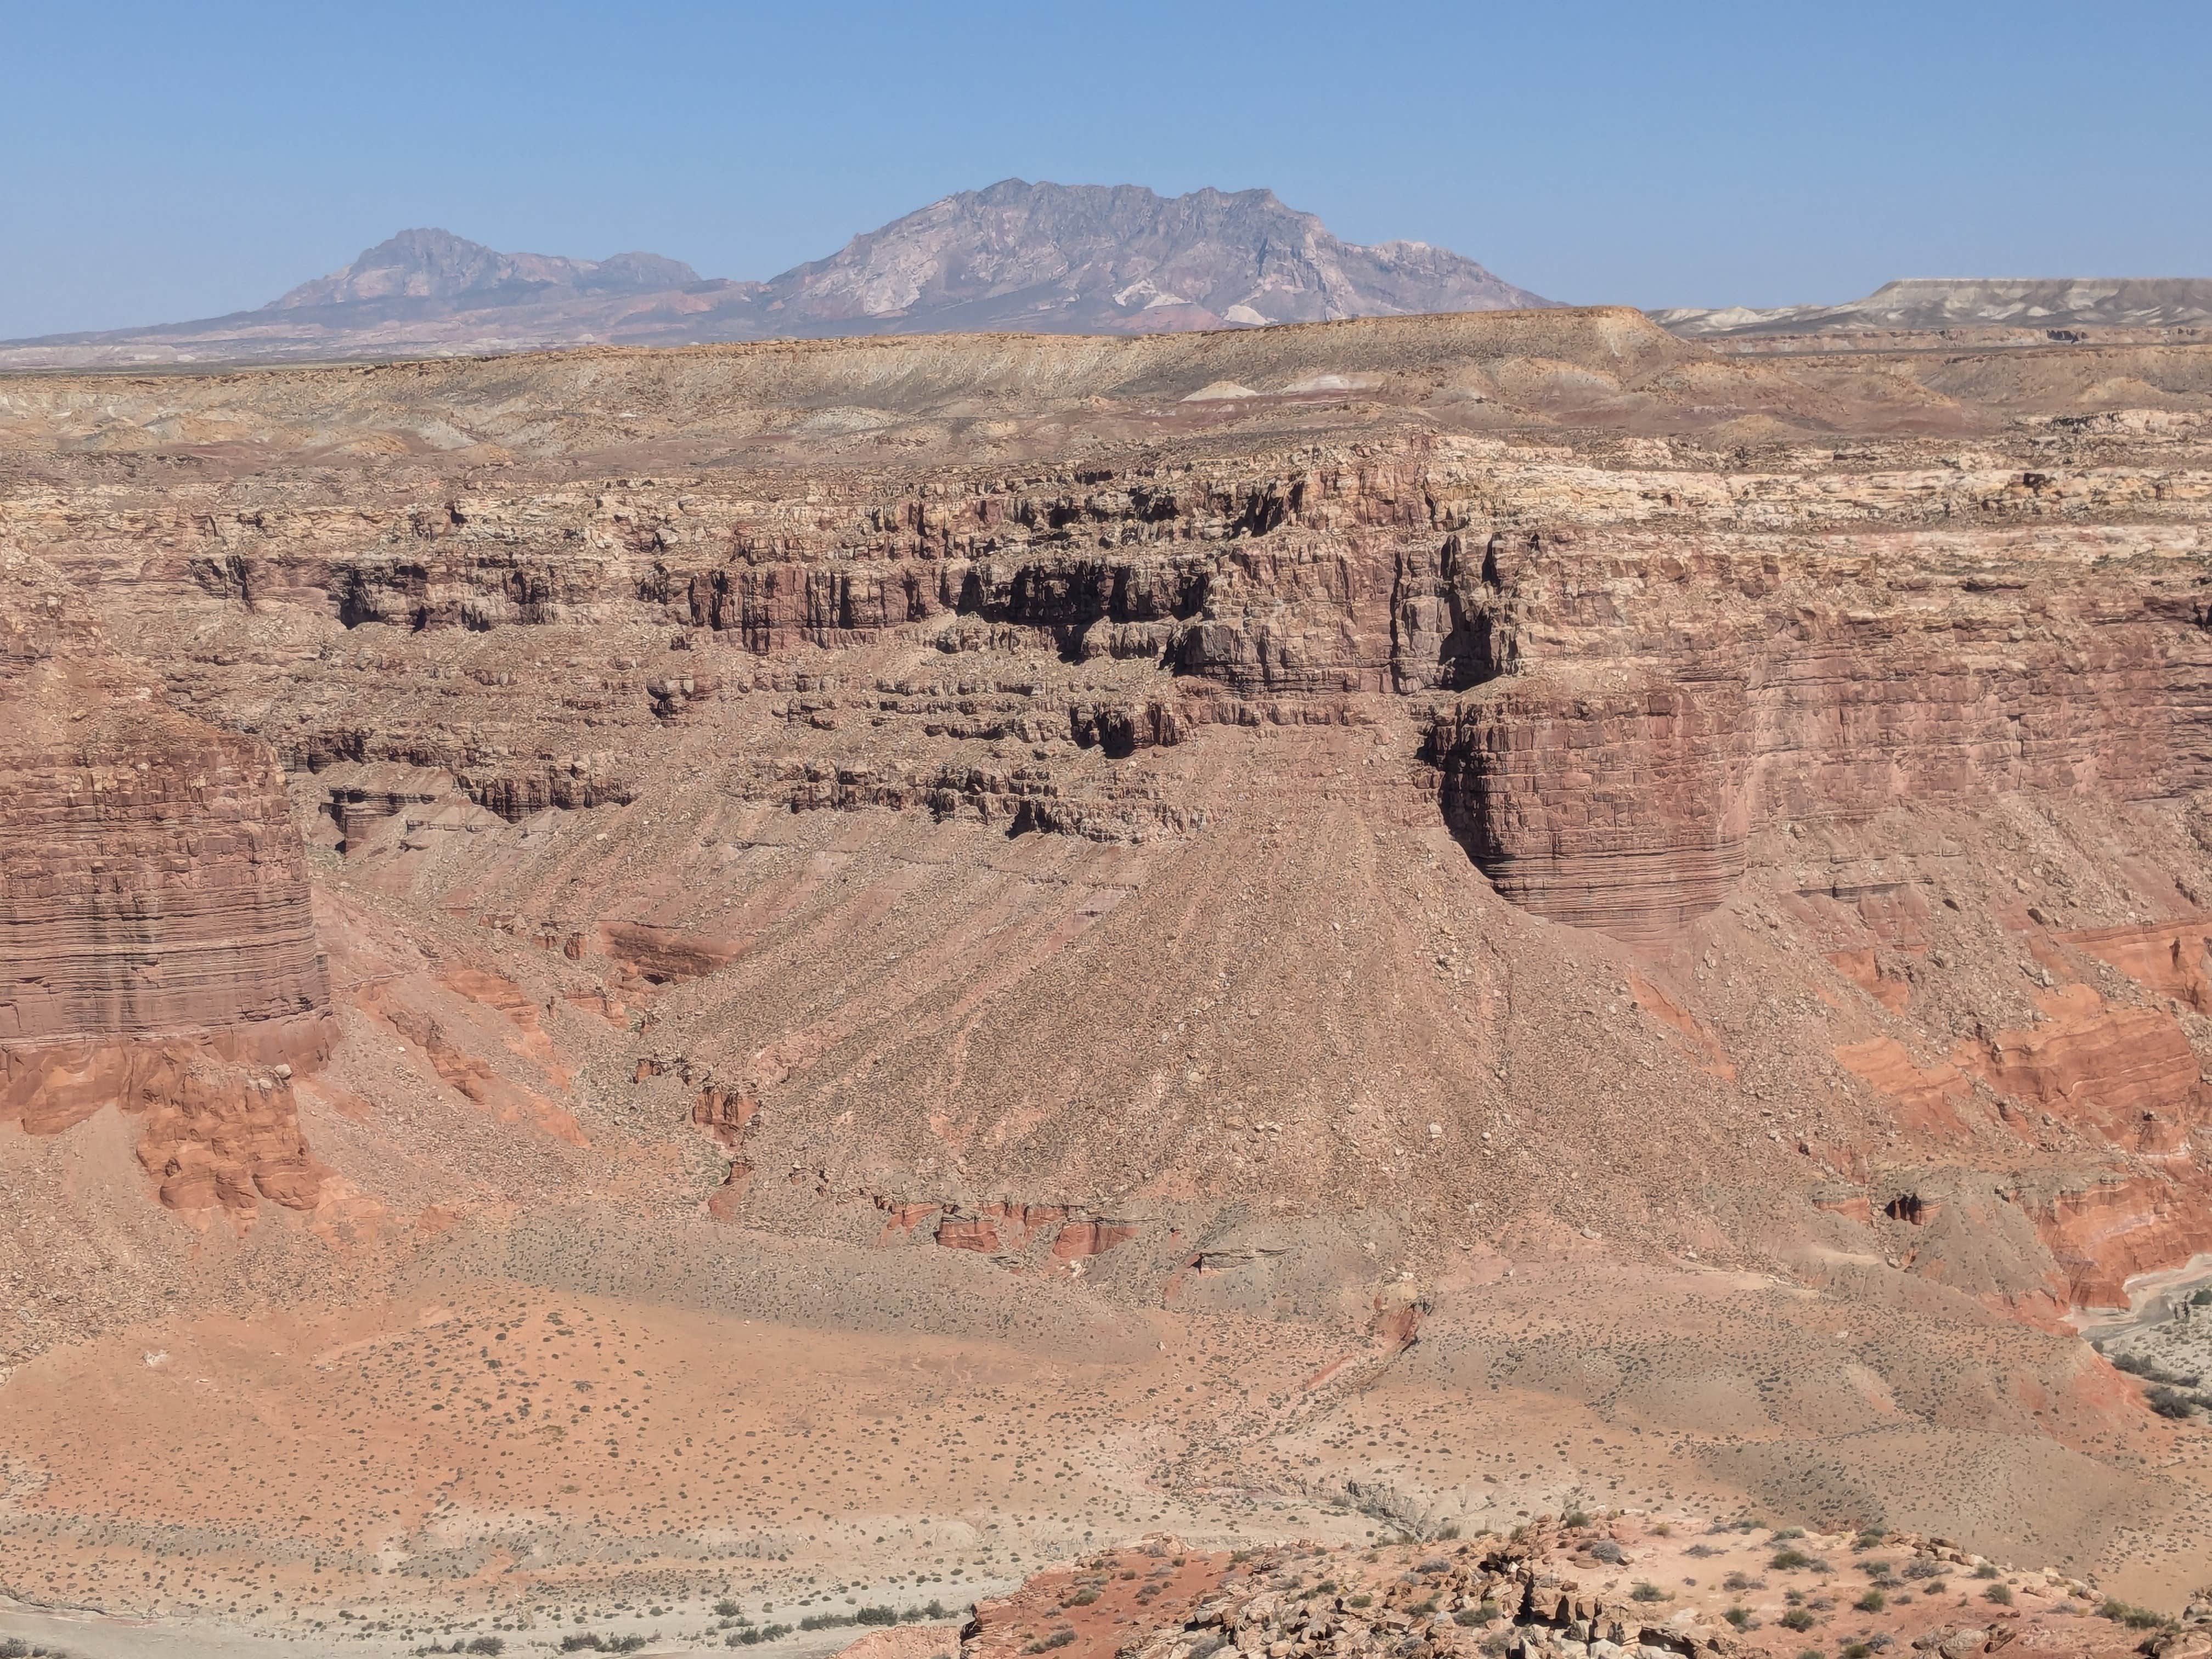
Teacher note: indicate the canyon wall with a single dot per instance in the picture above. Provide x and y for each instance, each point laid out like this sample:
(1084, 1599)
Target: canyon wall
(158, 950)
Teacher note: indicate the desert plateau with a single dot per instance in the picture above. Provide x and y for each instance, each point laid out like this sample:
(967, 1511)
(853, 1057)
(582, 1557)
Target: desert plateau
(1107, 927)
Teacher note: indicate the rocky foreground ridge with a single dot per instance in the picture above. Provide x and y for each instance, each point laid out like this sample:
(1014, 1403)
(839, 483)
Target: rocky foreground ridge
(1581, 1588)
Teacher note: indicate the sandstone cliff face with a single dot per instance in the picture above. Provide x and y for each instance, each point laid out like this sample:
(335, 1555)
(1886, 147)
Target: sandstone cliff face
(151, 880)
(158, 951)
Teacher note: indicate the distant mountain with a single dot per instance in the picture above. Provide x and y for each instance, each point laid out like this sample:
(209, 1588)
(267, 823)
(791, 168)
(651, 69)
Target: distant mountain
(1118, 259)
(437, 265)
(1018, 257)
(1928, 302)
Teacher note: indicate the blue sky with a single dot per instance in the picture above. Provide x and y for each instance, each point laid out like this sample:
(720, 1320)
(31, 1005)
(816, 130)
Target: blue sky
(182, 159)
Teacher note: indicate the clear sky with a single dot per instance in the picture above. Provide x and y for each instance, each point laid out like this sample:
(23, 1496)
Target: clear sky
(178, 159)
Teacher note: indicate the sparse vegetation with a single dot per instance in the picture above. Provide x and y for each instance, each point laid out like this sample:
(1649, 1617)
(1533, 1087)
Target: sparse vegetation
(1999, 1594)
(1789, 1560)
(1646, 1591)
(2169, 1402)
(1799, 1619)
(1873, 1601)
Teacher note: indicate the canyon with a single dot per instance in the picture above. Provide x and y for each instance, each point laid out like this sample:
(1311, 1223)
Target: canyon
(839, 971)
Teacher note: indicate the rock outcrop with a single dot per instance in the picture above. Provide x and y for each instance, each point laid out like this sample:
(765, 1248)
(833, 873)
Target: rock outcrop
(157, 950)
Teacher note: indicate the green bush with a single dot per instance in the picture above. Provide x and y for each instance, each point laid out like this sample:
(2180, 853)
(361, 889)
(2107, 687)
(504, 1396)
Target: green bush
(754, 1634)
(2135, 1618)
(490, 1646)
(1647, 1592)
(1998, 1593)
(1797, 1618)
(1873, 1601)
(1789, 1560)
(1740, 1617)
(2169, 1402)
(876, 1616)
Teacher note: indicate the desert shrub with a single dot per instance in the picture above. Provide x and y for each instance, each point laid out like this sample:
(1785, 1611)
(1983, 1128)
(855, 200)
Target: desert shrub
(1740, 1617)
(727, 1609)
(827, 1621)
(1475, 1618)
(1797, 1618)
(1363, 1600)
(1857, 1650)
(1922, 1567)
(1790, 1560)
(1873, 1601)
(2135, 1618)
(488, 1645)
(936, 1609)
(1987, 1570)
(2202, 1298)
(1869, 1538)
(1787, 1533)
(1605, 1550)
(889, 1615)
(2169, 1402)
(754, 1634)
(2151, 1371)
(1082, 1598)
(1735, 1581)
(1647, 1592)
(1998, 1593)
(1575, 1518)
(1703, 1552)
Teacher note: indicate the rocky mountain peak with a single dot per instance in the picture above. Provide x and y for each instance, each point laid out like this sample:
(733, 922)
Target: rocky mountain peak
(1122, 259)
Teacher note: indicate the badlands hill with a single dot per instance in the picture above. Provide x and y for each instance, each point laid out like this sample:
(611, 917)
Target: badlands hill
(1082, 259)
(648, 987)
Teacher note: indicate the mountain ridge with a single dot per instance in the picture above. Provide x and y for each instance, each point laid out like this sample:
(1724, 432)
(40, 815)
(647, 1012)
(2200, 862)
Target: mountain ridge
(1928, 303)
(1013, 257)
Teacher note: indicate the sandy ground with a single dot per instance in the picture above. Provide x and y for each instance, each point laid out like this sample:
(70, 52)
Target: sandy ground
(526, 1465)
